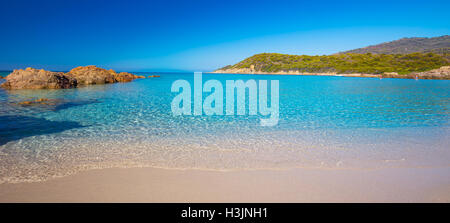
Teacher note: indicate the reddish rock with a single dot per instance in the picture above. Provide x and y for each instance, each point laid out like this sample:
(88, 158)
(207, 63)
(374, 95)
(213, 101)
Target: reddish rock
(126, 77)
(95, 75)
(38, 79)
(92, 75)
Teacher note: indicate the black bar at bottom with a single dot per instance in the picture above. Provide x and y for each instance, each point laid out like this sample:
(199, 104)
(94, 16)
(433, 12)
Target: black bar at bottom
(227, 212)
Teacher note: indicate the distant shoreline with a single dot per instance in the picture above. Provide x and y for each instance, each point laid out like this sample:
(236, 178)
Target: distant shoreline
(436, 74)
(298, 74)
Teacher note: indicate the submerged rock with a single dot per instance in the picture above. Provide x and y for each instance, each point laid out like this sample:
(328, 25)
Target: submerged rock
(31, 78)
(53, 104)
(150, 76)
(40, 101)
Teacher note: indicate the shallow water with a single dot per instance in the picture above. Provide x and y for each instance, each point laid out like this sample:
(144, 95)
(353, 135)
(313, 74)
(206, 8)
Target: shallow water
(325, 122)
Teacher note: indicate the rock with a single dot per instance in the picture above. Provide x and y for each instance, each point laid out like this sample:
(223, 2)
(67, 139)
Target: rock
(442, 73)
(1, 77)
(445, 70)
(40, 101)
(92, 75)
(31, 78)
(40, 79)
(150, 76)
(126, 77)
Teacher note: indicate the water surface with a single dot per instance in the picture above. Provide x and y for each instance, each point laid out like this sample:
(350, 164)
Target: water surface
(325, 122)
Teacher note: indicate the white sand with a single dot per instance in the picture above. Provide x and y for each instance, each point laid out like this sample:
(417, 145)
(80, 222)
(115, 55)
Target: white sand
(295, 185)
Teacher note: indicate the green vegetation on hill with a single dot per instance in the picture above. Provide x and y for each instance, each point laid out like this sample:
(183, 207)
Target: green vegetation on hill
(345, 63)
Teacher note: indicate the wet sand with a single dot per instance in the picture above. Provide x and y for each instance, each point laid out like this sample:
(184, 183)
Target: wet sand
(293, 185)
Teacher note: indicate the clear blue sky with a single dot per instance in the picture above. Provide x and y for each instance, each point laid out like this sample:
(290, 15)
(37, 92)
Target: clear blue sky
(190, 35)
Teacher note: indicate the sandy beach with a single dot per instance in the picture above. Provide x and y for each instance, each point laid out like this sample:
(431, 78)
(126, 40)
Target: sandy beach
(293, 185)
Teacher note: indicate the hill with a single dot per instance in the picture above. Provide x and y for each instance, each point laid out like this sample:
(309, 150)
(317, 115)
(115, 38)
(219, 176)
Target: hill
(403, 56)
(440, 45)
(339, 63)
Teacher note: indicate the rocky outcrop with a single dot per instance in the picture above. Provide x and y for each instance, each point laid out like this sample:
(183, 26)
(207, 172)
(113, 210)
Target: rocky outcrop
(41, 79)
(1, 77)
(395, 75)
(442, 73)
(94, 75)
(38, 79)
(126, 77)
(150, 76)
(390, 73)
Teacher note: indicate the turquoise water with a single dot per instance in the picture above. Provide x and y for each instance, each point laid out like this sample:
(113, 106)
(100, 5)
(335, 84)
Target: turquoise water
(325, 122)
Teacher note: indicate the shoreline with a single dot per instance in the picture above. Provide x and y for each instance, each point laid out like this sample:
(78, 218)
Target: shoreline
(148, 184)
(436, 74)
(300, 74)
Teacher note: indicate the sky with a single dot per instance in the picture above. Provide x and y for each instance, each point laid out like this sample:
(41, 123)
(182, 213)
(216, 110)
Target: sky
(200, 35)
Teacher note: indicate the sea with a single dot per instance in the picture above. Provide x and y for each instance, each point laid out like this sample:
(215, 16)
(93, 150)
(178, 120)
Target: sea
(325, 122)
